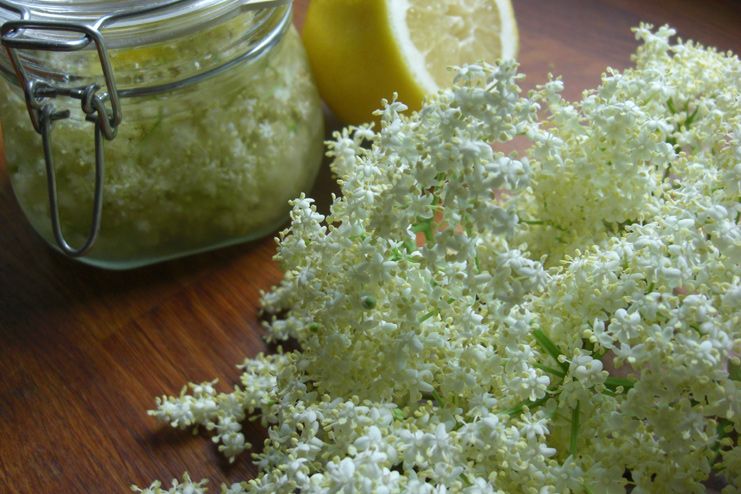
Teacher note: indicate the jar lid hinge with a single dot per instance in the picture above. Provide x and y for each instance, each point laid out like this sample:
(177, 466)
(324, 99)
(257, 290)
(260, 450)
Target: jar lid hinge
(43, 113)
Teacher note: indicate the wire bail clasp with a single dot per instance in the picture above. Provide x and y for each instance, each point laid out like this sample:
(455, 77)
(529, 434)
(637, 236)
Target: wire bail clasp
(93, 102)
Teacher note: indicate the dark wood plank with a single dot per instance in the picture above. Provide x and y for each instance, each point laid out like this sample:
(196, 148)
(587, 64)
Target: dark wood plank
(578, 39)
(83, 352)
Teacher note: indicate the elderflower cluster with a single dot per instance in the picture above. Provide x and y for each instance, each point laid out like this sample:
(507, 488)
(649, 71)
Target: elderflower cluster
(566, 318)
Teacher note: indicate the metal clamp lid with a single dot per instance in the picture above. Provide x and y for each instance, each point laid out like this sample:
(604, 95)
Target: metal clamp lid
(43, 113)
(93, 101)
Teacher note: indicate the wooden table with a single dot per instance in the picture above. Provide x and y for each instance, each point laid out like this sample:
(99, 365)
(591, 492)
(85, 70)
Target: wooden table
(84, 352)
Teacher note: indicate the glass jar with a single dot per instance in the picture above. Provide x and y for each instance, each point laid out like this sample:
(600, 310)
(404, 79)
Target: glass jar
(138, 131)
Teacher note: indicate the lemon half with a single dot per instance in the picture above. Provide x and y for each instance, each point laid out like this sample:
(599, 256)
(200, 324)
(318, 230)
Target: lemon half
(364, 50)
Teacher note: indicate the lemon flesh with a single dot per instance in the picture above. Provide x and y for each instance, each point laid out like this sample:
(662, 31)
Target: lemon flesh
(432, 36)
(362, 51)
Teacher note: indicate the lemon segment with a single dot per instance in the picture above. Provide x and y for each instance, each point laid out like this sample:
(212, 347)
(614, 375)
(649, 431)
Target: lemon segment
(432, 36)
(362, 51)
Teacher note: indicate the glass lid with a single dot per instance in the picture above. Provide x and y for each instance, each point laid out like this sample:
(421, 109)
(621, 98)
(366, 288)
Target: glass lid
(152, 45)
(126, 23)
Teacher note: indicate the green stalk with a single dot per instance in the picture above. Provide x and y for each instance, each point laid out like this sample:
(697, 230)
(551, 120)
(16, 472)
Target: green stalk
(426, 316)
(734, 371)
(438, 399)
(691, 118)
(550, 347)
(425, 227)
(615, 382)
(670, 105)
(530, 404)
(550, 370)
(574, 429)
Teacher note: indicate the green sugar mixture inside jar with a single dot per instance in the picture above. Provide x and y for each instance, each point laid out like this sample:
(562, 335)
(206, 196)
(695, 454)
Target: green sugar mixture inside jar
(196, 167)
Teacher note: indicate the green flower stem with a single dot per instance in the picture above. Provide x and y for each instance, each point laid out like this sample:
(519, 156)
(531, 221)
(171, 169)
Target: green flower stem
(615, 382)
(438, 399)
(607, 392)
(574, 429)
(527, 403)
(670, 105)
(550, 347)
(734, 371)
(426, 316)
(550, 370)
(691, 118)
(425, 227)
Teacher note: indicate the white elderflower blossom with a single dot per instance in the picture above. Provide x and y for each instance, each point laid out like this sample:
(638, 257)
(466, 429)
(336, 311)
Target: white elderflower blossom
(542, 321)
(186, 486)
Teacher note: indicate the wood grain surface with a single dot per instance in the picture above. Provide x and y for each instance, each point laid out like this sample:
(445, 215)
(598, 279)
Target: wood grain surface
(83, 352)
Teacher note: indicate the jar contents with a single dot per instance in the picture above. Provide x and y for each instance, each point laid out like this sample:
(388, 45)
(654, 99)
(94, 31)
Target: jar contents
(209, 164)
